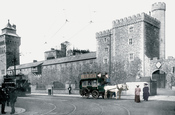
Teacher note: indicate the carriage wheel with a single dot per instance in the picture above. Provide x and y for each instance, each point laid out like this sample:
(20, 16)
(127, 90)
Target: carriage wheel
(103, 95)
(86, 93)
(95, 94)
(81, 92)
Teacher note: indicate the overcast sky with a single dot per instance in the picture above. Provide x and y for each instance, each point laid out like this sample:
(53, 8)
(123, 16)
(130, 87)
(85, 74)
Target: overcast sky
(45, 24)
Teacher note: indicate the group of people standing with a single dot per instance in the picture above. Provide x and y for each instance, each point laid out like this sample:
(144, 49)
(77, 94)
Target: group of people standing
(8, 95)
(145, 93)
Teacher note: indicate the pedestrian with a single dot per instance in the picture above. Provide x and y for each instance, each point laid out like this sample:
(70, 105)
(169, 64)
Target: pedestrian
(13, 98)
(2, 100)
(137, 94)
(145, 92)
(7, 95)
(107, 77)
(69, 88)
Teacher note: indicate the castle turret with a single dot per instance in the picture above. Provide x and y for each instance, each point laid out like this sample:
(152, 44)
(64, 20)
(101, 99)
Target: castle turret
(158, 12)
(9, 48)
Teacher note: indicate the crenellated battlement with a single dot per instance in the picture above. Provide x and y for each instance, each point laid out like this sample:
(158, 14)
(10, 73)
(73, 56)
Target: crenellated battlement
(103, 33)
(136, 18)
(159, 6)
(151, 20)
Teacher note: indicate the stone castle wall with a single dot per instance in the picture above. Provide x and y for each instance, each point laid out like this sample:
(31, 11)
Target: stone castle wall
(103, 43)
(64, 72)
(135, 19)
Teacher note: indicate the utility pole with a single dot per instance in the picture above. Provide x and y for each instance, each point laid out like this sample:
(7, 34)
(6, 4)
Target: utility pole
(14, 62)
(110, 55)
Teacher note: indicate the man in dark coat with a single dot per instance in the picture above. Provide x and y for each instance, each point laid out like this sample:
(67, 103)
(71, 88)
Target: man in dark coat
(13, 97)
(145, 92)
(2, 100)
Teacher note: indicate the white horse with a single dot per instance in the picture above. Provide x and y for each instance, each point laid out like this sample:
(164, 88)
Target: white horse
(115, 88)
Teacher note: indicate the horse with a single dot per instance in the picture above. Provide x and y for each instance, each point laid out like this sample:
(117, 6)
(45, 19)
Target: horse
(115, 89)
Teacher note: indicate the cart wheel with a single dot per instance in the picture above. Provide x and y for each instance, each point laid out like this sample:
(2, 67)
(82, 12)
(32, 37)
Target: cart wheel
(87, 95)
(103, 95)
(95, 94)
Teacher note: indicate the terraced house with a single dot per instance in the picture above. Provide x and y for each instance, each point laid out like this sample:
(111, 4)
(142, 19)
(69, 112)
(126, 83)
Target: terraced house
(132, 50)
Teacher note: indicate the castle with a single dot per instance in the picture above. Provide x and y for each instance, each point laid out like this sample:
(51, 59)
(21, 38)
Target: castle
(132, 49)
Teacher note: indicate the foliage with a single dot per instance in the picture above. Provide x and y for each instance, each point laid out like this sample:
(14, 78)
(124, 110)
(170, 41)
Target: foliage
(118, 74)
(173, 81)
(77, 51)
(58, 84)
(134, 68)
(40, 86)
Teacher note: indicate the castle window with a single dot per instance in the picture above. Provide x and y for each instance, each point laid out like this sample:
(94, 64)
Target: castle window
(130, 41)
(173, 69)
(2, 72)
(106, 49)
(2, 43)
(91, 61)
(131, 56)
(130, 29)
(105, 39)
(105, 61)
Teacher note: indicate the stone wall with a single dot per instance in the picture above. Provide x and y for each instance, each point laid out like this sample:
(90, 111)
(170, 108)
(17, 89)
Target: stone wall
(151, 41)
(69, 71)
(167, 66)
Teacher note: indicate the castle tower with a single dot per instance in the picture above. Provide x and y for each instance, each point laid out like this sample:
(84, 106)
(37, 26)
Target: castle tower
(9, 48)
(103, 49)
(158, 12)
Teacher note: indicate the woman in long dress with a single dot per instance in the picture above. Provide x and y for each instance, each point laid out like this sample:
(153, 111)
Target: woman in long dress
(137, 94)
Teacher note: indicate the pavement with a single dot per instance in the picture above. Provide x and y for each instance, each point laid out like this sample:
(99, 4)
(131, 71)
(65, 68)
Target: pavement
(18, 110)
(156, 97)
(163, 95)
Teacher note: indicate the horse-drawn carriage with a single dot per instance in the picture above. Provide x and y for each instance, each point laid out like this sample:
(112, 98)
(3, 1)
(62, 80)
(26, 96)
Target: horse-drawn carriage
(96, 84)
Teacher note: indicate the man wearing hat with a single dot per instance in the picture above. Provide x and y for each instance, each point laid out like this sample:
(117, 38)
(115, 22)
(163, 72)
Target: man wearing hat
(145, 92)
(13, 98)
(2, 99)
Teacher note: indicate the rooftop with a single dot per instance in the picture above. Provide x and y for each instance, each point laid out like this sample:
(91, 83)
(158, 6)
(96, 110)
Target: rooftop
(27, 65)
(86, 56)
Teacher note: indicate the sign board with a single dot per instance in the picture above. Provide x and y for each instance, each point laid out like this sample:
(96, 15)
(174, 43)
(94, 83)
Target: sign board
(88, 76)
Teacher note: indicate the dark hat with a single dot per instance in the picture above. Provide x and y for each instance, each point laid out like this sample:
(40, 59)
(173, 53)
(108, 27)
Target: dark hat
(145, 84)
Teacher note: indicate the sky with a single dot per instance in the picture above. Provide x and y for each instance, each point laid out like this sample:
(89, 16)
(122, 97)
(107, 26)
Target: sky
(45, 24)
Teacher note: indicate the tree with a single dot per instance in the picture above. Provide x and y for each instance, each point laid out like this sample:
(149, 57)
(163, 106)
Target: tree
(134, 69)
(118, 74)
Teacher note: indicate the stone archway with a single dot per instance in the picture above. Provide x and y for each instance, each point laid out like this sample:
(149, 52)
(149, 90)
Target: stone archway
(160, 77)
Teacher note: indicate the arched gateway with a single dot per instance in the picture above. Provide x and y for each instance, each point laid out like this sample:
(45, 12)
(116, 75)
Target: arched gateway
(160, 77)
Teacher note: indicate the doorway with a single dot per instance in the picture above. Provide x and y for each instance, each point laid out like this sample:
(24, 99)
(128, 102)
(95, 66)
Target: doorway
(159, 76)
